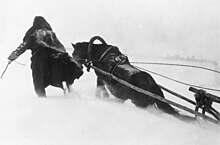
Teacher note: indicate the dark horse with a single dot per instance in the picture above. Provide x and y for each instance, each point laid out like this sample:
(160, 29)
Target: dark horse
(108, 58)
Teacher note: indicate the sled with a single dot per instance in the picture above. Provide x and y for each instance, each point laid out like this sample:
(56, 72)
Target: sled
(114, 69)
(207, 107)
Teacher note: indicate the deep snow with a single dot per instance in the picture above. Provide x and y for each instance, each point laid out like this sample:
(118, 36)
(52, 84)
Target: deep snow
(81, 118)
(142, 29)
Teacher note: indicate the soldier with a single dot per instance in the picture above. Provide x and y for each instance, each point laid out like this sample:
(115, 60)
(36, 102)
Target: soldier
(50, 63)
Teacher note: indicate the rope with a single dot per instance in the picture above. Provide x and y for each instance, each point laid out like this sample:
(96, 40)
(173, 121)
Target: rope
(171, 64)
(21, 63)
(24, 64)
(175, 64)
(177, 81)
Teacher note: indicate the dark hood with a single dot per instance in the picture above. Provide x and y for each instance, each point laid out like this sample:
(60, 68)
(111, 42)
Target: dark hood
(39, 23)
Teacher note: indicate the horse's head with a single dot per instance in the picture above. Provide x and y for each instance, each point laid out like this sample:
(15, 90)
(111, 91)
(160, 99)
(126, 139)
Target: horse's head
(80, 52)
(83, 51)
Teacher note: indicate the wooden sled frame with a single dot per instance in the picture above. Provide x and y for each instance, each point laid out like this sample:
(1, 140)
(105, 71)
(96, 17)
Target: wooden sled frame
(204, 105)
(195, 112)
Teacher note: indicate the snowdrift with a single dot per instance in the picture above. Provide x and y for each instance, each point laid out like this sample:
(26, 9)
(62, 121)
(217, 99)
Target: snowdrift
(81, 118)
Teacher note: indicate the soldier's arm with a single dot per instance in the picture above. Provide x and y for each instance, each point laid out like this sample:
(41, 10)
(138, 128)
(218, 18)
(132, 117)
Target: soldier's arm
(21, 49)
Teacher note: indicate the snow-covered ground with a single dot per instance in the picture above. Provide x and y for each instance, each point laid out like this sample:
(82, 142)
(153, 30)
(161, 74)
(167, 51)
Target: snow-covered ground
(82, 119)
(145, 30)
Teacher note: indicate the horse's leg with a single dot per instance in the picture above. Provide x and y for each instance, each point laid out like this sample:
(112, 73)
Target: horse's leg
(101, 88)
(98, 87)
(105, 92)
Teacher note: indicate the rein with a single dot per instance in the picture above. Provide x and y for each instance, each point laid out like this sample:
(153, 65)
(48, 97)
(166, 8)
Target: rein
(119, 59)
(88, 63)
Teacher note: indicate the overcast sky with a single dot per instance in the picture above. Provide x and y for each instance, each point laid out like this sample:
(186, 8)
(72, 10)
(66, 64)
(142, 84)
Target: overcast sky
(159, 27)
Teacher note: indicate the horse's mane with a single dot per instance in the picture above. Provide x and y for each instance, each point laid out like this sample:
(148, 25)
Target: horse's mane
(96, 46)
(82, 44)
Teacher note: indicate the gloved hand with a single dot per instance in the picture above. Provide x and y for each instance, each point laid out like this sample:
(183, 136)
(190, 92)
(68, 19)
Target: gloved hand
(12, 56)
(9, 61)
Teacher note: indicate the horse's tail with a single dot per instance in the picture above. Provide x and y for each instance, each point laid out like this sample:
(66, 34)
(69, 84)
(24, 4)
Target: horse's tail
(91, 43)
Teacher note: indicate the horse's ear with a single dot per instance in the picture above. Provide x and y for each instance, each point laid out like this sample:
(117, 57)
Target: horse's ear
(73, 45)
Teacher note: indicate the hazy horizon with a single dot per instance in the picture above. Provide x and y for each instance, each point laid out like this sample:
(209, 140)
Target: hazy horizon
(158, 27)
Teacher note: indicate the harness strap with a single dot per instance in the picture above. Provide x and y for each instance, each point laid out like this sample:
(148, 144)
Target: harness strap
(103, 55)
(121, 59)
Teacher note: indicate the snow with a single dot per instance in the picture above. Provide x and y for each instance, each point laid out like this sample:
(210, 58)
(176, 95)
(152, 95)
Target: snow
(81, 118)
(145, 30)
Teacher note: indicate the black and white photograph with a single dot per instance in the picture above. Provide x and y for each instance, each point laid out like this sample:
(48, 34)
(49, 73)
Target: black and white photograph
(110, 72)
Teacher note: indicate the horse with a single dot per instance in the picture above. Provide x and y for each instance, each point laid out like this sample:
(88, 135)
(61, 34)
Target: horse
(109, 59)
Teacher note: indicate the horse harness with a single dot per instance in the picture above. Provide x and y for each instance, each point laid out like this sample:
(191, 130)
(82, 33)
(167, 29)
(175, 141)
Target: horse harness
(115, 59)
